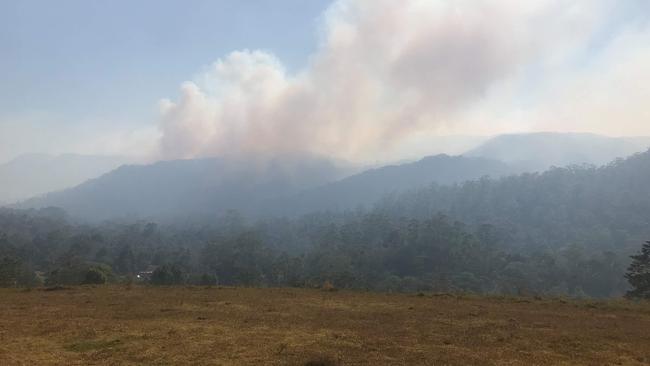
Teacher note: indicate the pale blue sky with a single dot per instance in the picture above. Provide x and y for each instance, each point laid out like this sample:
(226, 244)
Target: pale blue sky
(87, 76)
(74, 61)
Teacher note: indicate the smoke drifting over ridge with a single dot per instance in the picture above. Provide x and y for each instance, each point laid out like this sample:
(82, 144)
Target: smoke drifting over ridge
(386, 70)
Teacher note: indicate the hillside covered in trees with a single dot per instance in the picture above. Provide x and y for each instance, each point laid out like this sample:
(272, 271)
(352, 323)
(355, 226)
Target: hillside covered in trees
(605, 207)
(295, 184)
(289, 185)
(565, 231)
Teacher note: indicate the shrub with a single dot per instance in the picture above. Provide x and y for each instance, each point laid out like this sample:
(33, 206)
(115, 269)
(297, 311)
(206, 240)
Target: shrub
(167, 275)
(202, 279)
(638, 274)
(94, 276)
(77, 272)
(208, 280)
(15, 273)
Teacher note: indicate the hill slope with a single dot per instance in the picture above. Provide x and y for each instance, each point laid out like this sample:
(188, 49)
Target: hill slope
(209, 186)
(295, 185)
(188, 187)
(606, 207)
(367, 187)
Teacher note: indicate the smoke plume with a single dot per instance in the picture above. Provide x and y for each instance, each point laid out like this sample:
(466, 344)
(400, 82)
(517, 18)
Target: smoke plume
(386, 70)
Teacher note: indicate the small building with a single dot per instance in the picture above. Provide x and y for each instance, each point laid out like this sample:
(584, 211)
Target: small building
(145, 275)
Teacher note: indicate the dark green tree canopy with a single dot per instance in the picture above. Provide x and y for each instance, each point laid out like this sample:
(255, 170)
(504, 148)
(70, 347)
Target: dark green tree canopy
(638, 274)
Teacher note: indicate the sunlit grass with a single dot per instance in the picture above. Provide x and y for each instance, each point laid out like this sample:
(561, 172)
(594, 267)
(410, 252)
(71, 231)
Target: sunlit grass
(115, 325)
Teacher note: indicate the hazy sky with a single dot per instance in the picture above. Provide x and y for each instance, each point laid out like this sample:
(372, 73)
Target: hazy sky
(73, 70)
(355, 79)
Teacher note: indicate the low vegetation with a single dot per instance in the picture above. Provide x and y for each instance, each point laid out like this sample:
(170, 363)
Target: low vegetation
(118, 325)
(360, 250)
(568, 231)
(345, 287)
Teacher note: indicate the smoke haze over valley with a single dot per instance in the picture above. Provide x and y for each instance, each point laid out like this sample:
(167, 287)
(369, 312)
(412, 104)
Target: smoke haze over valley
(192, 182)
(378, 83)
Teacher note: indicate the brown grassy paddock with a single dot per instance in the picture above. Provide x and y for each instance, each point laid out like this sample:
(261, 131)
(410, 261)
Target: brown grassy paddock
(115, 325)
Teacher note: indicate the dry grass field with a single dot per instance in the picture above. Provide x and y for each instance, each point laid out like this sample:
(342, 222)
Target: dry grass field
(117, 325)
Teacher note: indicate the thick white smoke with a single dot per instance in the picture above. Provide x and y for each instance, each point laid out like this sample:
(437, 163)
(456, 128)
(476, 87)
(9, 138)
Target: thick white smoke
(386, 70)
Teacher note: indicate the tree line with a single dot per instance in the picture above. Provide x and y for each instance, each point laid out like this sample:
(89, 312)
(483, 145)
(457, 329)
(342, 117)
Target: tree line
(567, 231)
(366, 250)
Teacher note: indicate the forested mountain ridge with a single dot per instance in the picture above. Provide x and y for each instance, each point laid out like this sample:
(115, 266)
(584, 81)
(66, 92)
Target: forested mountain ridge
(366, 188)
(596, 207)
(293, 185)
(566, 231)
(181, 188)
(205, 187)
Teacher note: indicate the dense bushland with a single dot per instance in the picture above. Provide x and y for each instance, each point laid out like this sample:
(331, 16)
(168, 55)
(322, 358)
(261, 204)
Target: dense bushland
(361, 250)
(565, 231)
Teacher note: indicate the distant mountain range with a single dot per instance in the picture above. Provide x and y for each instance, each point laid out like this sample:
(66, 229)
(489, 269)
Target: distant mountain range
(365, 188)
(35, 174)
(196, 187)
(203, 187)
(539, 151)
(290, 185)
